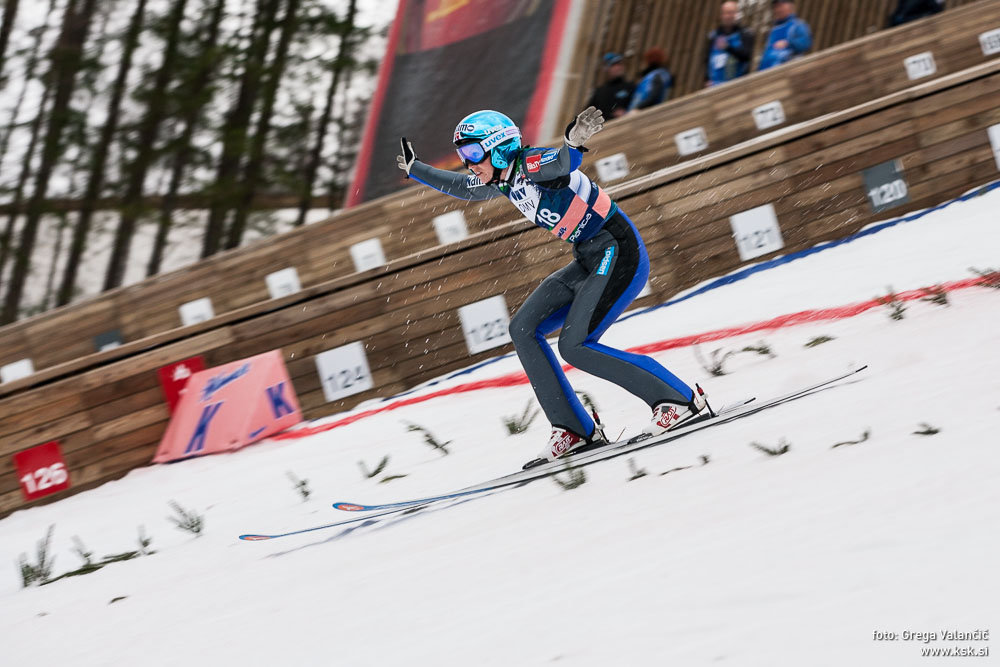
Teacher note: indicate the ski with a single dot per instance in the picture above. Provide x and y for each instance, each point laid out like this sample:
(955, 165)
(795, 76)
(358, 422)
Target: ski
(610, 451)
(358, 519)
(479, 488)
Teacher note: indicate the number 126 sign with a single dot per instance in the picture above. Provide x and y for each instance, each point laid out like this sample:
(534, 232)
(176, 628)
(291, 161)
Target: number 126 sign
(41, 470)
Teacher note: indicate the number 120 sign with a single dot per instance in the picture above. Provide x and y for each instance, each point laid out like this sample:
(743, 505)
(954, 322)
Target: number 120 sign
(41, 470)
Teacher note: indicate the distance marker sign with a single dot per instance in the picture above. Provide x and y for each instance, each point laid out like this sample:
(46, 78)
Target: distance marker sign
(885, 186)
(41, 470)
(344, 371)
(485, 324)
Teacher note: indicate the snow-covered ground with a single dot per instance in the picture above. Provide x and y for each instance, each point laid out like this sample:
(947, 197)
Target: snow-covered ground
(799, 559)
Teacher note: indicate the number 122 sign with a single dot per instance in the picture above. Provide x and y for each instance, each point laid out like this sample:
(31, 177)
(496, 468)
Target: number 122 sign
(41, 470)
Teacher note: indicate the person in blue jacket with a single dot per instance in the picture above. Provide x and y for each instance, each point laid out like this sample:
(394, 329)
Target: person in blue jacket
(609, 269)
(790, 37)
(730, 47)
(655, 81)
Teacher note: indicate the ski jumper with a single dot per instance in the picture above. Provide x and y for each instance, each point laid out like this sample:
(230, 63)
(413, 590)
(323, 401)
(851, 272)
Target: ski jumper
(609, 269)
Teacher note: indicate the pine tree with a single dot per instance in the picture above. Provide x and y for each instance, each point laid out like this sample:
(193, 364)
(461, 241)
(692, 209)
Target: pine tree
(349, 127)
(234, 130)
(146, 140)
(95, 182)
(66, 61)
(194, 94)
(6, 25)
(316, 155)
(17, 202)
(29, 77)
(35, 128)
(350, 124)
(255, 159)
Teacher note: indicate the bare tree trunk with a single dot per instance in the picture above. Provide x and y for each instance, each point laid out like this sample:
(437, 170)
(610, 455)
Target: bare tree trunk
(316, 155)
(198, 91)
(66, 60)
(96, 179)
(56, 251)
(149, 129)
(29, 76)
(254, 163)
(347, 130)
(9, 16)
(234, 131)
(22, 180)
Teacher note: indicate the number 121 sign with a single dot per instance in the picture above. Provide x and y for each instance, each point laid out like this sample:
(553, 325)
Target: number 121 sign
(41, 470)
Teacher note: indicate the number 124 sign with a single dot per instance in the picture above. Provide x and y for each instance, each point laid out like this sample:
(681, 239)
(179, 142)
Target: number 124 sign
(41, 470)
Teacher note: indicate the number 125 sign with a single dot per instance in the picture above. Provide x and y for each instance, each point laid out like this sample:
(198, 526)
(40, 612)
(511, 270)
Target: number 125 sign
(41, 470)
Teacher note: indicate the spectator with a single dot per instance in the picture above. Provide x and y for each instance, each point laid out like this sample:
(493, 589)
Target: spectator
(612, 97)
(911, 10)
(730, 47)
(790, 37)
(656, 82)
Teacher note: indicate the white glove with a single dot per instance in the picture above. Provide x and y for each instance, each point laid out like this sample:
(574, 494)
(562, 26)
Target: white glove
(587, 124)
(406, 160)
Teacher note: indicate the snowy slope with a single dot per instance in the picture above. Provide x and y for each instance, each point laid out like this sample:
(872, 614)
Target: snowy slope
(746, 560)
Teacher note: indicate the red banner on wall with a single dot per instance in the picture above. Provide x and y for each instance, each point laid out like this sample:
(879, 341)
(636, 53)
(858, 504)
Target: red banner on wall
(456, 56)
(174, 377)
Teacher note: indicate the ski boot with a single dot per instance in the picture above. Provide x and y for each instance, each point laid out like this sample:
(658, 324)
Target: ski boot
(563, 442)
(667, 416)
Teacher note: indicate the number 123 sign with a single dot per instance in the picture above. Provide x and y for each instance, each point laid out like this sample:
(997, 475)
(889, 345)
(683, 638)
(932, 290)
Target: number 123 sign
(41, 470)
(485, 324)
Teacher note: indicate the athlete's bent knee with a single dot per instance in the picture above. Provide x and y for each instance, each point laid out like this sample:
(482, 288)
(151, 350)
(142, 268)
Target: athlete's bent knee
(573, 352)
(521, 330)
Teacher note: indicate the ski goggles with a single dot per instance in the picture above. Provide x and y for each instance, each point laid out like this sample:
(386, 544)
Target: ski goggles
(475, 152)
(472, 153)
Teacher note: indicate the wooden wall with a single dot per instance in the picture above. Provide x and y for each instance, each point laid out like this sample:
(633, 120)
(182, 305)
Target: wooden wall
(831, 80)
(106, 408)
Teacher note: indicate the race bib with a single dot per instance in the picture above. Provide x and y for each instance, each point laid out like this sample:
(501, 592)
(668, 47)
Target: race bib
(525, 196)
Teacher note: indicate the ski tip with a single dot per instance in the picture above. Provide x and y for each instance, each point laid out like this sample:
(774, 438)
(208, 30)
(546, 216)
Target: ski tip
(255, 538)
(351, 507)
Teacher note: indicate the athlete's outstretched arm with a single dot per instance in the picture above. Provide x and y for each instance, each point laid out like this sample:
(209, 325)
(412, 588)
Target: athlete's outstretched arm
(546, 165)
(457, 185)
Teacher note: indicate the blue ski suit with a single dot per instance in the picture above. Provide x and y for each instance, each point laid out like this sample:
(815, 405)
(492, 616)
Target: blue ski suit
(609, 268)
